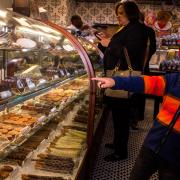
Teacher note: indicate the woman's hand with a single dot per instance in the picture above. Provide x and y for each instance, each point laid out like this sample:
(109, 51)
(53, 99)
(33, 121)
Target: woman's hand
(103, 39)
(104, 82)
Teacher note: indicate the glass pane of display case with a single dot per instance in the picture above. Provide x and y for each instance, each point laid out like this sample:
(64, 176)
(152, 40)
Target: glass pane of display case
(36, 55)
(94, 54)
(96, 58)
(44, 85)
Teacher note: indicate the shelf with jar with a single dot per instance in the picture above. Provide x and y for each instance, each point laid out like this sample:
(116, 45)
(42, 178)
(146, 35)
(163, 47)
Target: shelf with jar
(47, 107)
(165, 61)
(171, 41)
(167, 56)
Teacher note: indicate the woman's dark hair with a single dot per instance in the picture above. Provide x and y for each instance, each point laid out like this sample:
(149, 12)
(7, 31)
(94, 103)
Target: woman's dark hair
(141, 17)
(131, 9)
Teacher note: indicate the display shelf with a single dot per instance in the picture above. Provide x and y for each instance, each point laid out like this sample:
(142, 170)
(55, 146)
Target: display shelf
(30, 95)
(20, 140)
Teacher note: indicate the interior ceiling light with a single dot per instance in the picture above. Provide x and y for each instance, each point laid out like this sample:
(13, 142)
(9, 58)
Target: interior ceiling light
(3, 13)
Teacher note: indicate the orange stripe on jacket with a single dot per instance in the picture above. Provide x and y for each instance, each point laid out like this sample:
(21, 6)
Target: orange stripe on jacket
(154, 85)
(168, 110)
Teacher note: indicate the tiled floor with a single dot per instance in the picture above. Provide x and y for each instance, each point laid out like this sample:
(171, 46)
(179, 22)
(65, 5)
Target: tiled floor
(120, 170)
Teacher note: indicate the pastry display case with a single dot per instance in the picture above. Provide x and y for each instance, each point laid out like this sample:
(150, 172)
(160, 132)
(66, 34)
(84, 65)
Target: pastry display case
(96, 59)
(47, 100)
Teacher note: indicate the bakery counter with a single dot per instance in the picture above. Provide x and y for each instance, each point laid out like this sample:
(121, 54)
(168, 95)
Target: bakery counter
(26, 119)
(57, 150)
(47, 100)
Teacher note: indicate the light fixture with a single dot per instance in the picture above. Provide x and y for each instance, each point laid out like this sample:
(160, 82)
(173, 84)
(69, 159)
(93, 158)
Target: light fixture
(3, 13)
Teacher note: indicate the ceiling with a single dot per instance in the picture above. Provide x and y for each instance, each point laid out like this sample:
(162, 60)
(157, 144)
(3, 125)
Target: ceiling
(155, 2)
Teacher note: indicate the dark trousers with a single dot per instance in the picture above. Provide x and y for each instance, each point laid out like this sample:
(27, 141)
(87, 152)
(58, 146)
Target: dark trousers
(137, 108)
(120, 112)
(147, 163)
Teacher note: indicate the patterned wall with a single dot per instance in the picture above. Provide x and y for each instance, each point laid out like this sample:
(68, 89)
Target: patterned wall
(71, 10)
(151, 8)
(96, 12)
(105, 12)
(6, 4)
(60, 11)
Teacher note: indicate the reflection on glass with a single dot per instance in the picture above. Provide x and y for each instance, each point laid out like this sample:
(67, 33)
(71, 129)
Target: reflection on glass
(36, 55)
(3, 13)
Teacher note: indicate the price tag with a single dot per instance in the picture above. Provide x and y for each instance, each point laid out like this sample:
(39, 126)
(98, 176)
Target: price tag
(30, 84)
(62, 72)
(67, 73)
(26, 130)
(41, 119)
(56, 77)
(19, 84)
(42, 81)
(53, 110)
(5, 94)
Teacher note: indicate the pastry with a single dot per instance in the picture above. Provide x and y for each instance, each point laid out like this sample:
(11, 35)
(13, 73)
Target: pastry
(5, 172)
(38, 177)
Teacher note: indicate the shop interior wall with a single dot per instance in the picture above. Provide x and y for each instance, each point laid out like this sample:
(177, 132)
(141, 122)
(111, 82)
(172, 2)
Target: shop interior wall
(5, 4)
(60, 11)
(105, 12)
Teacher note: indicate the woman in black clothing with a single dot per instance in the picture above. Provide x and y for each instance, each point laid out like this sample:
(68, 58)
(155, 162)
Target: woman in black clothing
(134, 37)
(137, 99)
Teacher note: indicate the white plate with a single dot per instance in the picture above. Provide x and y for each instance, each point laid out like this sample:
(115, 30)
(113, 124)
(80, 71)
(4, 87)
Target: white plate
(26, 43)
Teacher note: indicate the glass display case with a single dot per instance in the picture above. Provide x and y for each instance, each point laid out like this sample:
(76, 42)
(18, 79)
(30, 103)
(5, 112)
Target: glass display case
(96, 59)
(47, 100)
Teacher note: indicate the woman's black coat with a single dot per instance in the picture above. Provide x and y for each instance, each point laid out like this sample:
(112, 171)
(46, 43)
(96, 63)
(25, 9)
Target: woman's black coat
(134, 37)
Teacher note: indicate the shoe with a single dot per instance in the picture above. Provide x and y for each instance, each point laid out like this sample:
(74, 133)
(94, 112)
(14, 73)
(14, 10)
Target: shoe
(114, 157)
(110, 146)
(134, 128)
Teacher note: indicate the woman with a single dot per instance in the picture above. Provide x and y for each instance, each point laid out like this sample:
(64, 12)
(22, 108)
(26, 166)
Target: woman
(133, 36)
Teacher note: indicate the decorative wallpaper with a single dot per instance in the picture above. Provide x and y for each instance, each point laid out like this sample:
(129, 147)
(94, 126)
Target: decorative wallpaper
(105, 13)
(152, 8)
(6, 4)
(60, 11)
(71, 4)
(96, 12)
